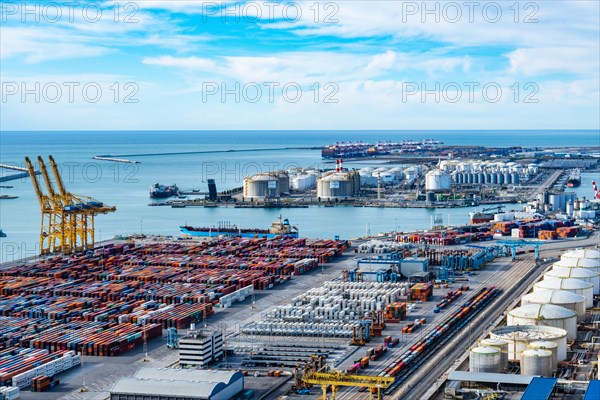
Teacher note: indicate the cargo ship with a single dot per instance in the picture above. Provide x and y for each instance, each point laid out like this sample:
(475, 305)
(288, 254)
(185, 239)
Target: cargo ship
(362, 149)
(574, 179)
(161, 191)
(485, 215)
(279, 227)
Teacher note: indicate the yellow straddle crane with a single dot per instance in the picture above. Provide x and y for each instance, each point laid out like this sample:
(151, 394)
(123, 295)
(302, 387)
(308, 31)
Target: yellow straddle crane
(335, 379)
(67, 219)
(316, 372)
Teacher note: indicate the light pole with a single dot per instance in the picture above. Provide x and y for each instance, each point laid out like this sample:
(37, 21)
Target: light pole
(141, 226)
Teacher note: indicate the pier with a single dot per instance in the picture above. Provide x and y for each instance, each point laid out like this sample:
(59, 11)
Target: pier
(23, 173)
(121, 160)
(112, 156)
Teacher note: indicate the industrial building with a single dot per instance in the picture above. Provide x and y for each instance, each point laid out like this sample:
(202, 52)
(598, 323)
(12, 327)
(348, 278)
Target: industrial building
(266, 185)
(200, 348)
(338, 185)
(169, 384)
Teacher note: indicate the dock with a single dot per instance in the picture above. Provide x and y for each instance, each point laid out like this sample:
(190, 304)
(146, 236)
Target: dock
(113, 159)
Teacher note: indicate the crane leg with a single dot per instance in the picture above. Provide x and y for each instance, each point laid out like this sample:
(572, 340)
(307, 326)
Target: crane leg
(324, 388)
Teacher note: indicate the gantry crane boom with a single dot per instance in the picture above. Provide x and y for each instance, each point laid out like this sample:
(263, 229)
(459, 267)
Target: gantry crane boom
(52, 219)
(42, 199)
(67, 219)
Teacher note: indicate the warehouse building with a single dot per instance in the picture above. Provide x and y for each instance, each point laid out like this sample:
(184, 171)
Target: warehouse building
(175, 384)
(200, 348)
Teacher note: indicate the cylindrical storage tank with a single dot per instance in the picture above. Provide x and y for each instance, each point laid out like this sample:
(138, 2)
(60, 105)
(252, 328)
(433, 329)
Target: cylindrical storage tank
(546, 345)
(475, 178)
(488, 177)
(484, 359)
(584, 274)
(481, 178)
(437, 181)
(519, 337)
(494, 179)
(516, 179)
(546, 315)
(579, 263)
(507, 177)
(561, 298)
(536, 362)
(576, 286)
(470, 177)
(502, 346)
(591, 254)
(500, 178)
(569, 208)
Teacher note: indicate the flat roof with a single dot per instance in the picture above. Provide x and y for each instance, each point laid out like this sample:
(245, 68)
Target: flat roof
(490, 377)
(168, 388)
(593, 391)
(197, 375)
(540, 389)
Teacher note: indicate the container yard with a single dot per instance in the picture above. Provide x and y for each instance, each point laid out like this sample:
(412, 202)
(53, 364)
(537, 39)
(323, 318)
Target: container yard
(108, 301)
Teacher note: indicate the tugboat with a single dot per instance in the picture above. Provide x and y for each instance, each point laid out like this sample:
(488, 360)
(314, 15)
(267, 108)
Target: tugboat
(574, 179)
(161, 191)
(279, 227)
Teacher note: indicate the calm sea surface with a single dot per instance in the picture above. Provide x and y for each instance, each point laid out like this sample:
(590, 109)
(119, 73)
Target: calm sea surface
(126, 185)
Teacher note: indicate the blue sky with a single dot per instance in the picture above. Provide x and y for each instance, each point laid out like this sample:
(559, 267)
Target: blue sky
(347, 64)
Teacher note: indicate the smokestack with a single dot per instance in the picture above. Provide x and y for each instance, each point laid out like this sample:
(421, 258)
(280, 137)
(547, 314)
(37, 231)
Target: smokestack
(341, 165)
(337, 165)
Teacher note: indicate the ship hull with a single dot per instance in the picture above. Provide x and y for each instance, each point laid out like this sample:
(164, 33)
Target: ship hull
(216, 233)
(573, 183)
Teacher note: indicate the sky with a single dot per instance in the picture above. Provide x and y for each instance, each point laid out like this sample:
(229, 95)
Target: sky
(348, 64)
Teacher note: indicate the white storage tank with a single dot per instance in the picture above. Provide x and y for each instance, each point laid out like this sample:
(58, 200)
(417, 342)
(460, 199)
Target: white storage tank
(546, 345)
(485, 359)
(536, 362)
(583, 274)
(437, 181)
(546, 315)
(591, 254)
(587, 263)
(561, 298)
(576, 286)
(519, 337)
(501, 345)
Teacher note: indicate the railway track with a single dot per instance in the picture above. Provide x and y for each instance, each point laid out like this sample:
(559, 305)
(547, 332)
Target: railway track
(512, 284)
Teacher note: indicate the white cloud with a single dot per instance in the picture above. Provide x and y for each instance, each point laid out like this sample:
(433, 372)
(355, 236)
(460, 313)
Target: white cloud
(541, 60)
(181, 62)
(382, 61)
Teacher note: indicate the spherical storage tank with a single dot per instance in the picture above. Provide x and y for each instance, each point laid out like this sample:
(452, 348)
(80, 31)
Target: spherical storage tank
(576, 286)
(519, 337)
(584, 274)
(501, 345)
(545, 315)
(561, 298)
(484, 359)
(537, 362)
(437, 181)
(546, 345)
